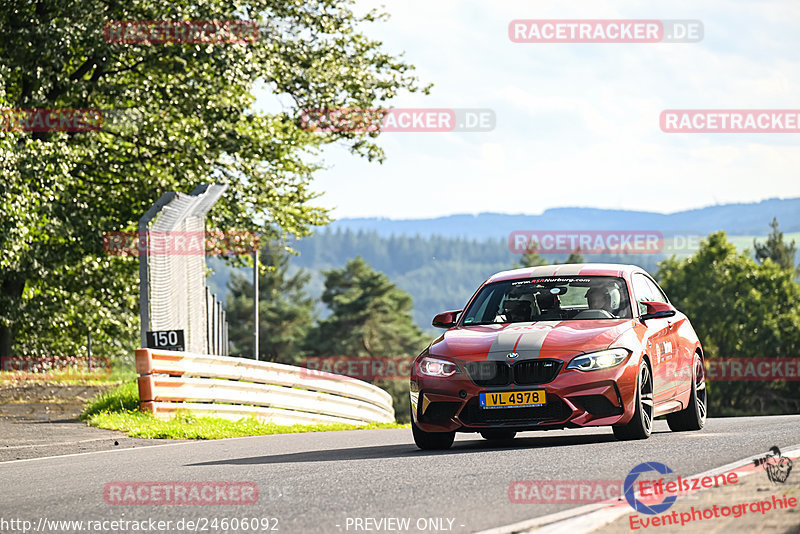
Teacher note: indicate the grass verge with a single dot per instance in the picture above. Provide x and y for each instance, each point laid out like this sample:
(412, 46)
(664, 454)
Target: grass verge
(118, 409)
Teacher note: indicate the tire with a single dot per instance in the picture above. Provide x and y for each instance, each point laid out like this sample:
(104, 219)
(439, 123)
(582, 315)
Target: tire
(641, 424)
(499, 435)
(432, 441)
(693, 417)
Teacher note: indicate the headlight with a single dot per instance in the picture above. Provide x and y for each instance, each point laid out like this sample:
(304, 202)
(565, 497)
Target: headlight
(599, 360)
(434, 367)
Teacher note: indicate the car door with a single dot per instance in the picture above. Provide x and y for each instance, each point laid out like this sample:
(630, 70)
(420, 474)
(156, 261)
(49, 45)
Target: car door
(669, 351)
(659, 339)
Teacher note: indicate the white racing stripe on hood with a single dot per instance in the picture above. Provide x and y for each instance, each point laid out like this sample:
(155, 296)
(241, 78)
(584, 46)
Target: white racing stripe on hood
(572, 269)
(528, 339)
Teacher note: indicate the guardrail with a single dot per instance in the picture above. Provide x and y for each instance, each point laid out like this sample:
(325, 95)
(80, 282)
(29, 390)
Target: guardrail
(233, 388)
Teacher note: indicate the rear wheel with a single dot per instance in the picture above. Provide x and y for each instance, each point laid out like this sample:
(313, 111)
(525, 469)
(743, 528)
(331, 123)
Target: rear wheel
(641, 424)
(432, 440)
(498, 435)
(694, 416)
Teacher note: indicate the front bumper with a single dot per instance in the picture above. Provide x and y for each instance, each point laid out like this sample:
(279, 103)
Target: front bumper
(574, 399)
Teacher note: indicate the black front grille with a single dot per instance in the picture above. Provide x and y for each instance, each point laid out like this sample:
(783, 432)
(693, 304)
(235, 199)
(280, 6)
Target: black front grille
(554, 411)
(489, 373)
(531, 372)
(524, 373)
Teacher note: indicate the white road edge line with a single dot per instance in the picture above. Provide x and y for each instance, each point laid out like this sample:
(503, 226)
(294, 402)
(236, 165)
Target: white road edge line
(47, 444)
(147, 446)
(593, 516)
(2, 463)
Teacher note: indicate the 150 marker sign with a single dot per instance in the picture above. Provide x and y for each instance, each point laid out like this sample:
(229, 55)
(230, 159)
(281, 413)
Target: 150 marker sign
(166, 340)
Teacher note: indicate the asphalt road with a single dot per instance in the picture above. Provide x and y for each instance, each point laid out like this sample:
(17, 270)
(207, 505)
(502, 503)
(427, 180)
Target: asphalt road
(314, 482)
(44, 428)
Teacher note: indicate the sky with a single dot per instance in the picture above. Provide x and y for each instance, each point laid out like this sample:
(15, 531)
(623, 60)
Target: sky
(577, 124)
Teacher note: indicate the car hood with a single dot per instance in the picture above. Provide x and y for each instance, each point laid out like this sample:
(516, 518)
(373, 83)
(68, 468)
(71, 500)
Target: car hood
(543, 339)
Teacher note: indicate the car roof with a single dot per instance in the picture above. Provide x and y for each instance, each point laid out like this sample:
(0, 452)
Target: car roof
(571, 269)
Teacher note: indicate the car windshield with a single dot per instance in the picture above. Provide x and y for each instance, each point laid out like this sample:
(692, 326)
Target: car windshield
(582, 298)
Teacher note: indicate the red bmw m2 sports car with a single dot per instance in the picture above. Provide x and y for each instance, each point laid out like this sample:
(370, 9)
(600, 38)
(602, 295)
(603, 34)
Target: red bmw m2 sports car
(559, 346)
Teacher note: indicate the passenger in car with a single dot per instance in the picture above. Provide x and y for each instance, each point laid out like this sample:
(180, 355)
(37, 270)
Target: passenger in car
(550, 306)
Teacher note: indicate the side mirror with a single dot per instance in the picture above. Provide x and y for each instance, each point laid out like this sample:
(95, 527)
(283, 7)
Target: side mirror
(446, 319)
(658, 310)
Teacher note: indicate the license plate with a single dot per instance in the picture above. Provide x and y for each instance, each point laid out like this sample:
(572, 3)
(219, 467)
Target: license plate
(513, 399)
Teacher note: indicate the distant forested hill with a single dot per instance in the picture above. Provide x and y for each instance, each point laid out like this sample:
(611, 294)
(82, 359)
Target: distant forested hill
(735, 219)
(439, 273)
(440, 268)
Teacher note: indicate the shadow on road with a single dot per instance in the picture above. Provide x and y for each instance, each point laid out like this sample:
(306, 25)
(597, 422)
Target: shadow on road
(411, 451)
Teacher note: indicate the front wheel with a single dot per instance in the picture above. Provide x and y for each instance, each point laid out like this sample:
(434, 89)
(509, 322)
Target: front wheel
(432, 440)
(694, 416)
(641, 424)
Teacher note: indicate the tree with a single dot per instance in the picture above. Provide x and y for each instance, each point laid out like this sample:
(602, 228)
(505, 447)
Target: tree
(776, 249)
(284, 310)
(369, 317)
(739, 309)
(531, 258)
(575, 257)
(178, 115)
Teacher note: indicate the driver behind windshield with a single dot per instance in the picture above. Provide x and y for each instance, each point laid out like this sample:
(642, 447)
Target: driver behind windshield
(515, 311)
(599, 298)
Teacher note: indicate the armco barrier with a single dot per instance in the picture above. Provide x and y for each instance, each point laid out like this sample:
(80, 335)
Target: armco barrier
(233, 388)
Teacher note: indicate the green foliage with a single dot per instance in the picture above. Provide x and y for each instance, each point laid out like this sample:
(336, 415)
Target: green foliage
(776, 249)
(440, 273)
(284, 310)
(739, 309)
(118, 409)
(575, 257)
(177, 115)
(369, 317)
(186, 426)
(124, 397)
(531, 258)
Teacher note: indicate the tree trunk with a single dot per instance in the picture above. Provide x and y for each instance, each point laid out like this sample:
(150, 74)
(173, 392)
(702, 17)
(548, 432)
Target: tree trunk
(10, 290)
